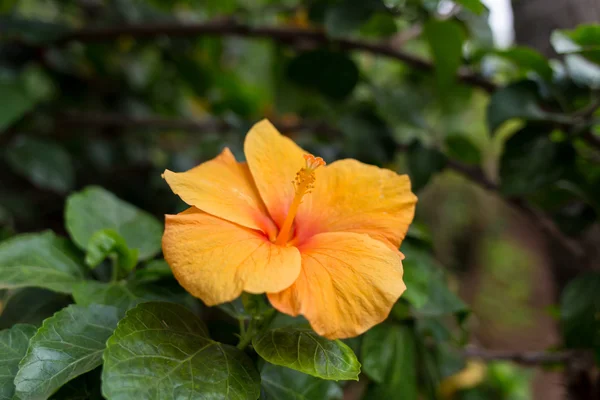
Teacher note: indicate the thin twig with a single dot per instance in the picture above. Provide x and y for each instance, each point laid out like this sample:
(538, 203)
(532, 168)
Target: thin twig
(286, 35)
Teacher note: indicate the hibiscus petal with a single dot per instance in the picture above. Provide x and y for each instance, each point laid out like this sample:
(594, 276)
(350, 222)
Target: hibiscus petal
(224, 188)
(274, 161)
(355, 197)
(349, 282)
(216, 260)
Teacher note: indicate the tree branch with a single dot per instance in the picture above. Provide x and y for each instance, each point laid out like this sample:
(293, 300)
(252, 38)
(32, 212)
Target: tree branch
(286, 35)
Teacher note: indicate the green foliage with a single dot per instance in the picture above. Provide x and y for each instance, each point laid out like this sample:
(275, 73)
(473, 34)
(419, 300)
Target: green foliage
(95, 209)
(39, 260)
(67, 345)
(46, 164)
(162, 349)
(407, 85)
(305, 351)
(13, 346)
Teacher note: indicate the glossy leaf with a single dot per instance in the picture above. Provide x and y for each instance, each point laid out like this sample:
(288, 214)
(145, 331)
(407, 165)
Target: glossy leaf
(108, 242)
(39, 260)
(307, 352)
(122, 295)
(584, 40)
(279, 383)
(528, 60)
(389, 358)
(13, 346)
(94, 209)
(67, 345)
(162, 350)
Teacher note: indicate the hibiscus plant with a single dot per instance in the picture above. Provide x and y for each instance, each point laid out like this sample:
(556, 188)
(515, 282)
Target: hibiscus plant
(294, 200)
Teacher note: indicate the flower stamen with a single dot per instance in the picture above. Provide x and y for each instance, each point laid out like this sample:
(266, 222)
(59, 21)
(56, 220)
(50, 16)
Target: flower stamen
(303, 183)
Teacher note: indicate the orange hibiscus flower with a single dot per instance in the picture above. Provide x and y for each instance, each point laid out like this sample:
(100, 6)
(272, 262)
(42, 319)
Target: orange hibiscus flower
(321, 241)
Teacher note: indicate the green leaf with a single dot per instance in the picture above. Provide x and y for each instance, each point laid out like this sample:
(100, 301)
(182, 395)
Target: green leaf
(531, 161)
(305, 351)
(19, 307)
(39, 260)
(280, 383)
(389, 358)
(426, 287)
(445, 39)
(475, 6)
(108, 242)
(517, 100)
(46, 164)
(423, 163)
(345, 17)
(94, 209)
(584, 40)
(13, 346)
(579, 312)
(15, 102)
(162, 350)
(582, 71)
(527, 59)
(154, 270)
(67, 345)
(331, 73)
(459, 147)
(122, 295)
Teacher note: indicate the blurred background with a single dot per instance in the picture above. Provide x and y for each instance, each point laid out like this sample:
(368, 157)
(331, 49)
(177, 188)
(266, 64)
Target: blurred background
(491, 107)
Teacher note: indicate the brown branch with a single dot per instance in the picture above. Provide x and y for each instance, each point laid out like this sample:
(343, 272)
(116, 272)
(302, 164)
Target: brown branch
(529, 358)
(286, 35)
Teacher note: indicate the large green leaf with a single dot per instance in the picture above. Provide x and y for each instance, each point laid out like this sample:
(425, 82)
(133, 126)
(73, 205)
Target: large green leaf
(67, 345)
(305, 351)
(459, 147)
(445, 40)
(13, 346)
(346, 16)
(163, 351)
(122, 295)
(389, 358)
(279, 383)
(579, 310)
(584, 40)
(475, 6)
(15, 101)
(39, 260)
(95, 209)
(423, 164)
(531, 160)
(46, 164)
(527, 60)
(331, 73)
(19, 307)
(517, 100)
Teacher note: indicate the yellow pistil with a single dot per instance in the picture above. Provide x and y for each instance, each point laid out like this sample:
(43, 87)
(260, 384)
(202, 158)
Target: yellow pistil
(304, 182)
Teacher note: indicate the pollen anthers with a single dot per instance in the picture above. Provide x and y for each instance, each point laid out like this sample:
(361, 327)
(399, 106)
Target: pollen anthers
(303, 183)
